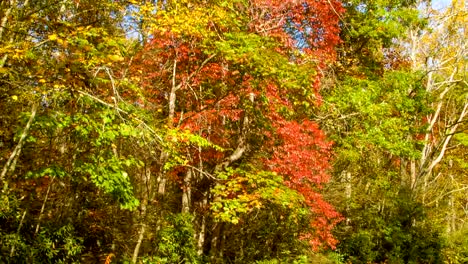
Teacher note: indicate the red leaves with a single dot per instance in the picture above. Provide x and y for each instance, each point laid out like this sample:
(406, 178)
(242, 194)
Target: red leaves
(304, 145)
(303, 158)
(312, 25)
(213, 92)
(301, 154)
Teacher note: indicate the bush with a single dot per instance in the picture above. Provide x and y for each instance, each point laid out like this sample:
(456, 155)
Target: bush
(175, 243)
(456, 251)
(401, 235)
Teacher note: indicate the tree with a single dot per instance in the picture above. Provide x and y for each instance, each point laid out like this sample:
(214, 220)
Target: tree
(438, 178)
(375, 114)
(57, 136)
(235, 78)
(441, 55)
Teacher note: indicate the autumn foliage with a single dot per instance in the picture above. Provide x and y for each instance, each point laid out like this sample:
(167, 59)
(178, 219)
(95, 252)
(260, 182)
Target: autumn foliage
(232, 131)
(236, 74)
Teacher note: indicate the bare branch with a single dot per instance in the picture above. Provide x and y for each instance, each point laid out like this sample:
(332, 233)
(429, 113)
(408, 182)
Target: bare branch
(141, 122)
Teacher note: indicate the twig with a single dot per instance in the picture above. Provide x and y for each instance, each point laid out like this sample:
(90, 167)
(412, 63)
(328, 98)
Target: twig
(12, 251)
(201, 171)
(43, 206)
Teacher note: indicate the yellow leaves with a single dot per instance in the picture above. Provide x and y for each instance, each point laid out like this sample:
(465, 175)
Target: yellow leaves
(18, 53)
(115, 58)
(62, 42)
(14, 98)
(15, 52)
(56, 38)
(147, 8)
(256, 204)
(59, 86)
(83, 29)
(187, 19)
(444, 43)
(42, 81)
(53, 37)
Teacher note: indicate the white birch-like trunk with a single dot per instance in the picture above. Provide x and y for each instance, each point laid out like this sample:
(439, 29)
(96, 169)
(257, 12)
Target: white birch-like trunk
(202, 232)
(146, 196)
(187, 192)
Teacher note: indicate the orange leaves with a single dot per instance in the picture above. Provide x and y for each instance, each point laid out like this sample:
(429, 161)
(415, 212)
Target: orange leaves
(248, 88)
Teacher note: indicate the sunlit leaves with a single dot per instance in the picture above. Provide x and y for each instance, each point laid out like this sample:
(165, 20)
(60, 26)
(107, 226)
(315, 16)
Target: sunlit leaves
(243, 191)
(384, 112)
(148, 101)
(369, 28)
(234, 75)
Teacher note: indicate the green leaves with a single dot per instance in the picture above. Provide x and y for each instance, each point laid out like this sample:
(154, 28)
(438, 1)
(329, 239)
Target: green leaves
(110, 176)
(175, 242)
(381, 112)
(241, 191)
(178, 141)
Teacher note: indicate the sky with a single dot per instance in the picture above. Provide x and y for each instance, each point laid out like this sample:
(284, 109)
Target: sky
(437, 4)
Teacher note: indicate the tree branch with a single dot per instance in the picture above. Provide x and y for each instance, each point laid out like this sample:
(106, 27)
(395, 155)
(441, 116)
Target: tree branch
(16, 152)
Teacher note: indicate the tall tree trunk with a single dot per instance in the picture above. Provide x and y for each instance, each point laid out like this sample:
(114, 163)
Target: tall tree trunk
(161, 180)
(3, 24)
(170, 124)
(138, 245)
(187, 192)
(202, 231)
(452, 214)
(412, 173)
(348, 191)
(7, 13)
(216, 250)
(146, 196)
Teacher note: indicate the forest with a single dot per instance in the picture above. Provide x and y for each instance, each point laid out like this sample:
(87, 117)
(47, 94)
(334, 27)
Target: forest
(233, 131)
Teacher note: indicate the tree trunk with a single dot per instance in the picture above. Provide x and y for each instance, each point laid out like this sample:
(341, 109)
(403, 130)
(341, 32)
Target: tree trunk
(138, 245)
(412, 173)
(146, 196)
(161, 174)
(202, 232)
(187, 192)
(452, 214)
(216, 252)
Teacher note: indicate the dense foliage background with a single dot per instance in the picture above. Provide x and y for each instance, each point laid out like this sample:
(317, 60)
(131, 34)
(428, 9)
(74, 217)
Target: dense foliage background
(244, 131)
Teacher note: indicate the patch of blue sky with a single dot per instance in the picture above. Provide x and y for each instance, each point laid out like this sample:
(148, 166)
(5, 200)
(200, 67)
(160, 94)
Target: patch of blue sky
(440, 4)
